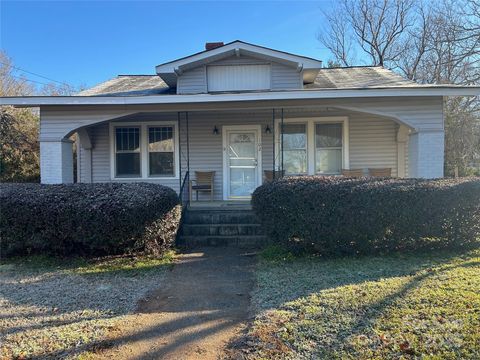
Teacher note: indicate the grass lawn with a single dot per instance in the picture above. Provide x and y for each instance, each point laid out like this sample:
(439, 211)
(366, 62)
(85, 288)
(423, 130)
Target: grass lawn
(66, 308)
(375, 307)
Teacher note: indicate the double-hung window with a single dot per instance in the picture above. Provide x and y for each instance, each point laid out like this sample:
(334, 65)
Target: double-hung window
(313, 145)
(145, 150)
(161, 158)
(295, 148)
(127, 152)
(328, 148)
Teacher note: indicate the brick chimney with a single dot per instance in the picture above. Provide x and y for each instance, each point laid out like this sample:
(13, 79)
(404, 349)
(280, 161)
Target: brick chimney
(213, 45)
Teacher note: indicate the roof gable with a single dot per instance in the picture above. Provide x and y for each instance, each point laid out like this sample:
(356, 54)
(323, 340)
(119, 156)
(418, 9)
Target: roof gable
(170, 70)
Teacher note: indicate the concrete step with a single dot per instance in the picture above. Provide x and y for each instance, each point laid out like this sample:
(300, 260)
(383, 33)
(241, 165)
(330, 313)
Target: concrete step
(246, 241)
(220, 217)
(221, 229)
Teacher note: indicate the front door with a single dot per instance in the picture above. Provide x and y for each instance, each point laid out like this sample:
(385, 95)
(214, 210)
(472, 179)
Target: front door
(242, 157)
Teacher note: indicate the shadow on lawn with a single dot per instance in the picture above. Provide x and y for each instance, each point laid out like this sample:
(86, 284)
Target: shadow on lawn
(293, 279)
(51, 292)
(205, 295)
(352, 271)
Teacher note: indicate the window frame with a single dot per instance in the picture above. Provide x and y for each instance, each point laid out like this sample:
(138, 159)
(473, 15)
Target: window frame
(341, 148)
(149, 126)
(306, 145)
(311, 143)
(116, 152)
(144, 152)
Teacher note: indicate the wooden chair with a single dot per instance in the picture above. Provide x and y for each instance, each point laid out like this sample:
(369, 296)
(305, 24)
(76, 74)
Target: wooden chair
(381, 172)
(203, 182)
(269, 174)
(352, 172)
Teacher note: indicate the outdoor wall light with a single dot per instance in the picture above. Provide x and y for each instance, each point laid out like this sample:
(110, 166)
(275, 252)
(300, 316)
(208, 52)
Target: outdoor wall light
(268, 130)
(215, 130)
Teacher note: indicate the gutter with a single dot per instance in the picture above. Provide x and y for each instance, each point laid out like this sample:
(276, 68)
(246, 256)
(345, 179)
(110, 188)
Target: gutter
(424, 91)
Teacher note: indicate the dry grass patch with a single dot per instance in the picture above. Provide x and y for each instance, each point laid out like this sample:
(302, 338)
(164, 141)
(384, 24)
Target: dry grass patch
(65, 309)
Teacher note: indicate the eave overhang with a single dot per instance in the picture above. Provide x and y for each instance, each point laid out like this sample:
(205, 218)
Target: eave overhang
(35, 101)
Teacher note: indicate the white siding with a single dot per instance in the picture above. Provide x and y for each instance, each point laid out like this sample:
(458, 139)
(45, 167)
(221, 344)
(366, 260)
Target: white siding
(238, 77)
(100, 153)
(193, 81)
(281, 77)
(372, 141)
(423, 113)
(285, 77)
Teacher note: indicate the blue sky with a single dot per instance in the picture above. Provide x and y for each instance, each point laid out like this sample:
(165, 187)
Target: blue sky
(86, 42)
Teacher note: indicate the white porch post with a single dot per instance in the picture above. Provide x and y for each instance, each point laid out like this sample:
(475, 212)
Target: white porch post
(56, 162)
(85, 147)
(402, 138)
(426, 154)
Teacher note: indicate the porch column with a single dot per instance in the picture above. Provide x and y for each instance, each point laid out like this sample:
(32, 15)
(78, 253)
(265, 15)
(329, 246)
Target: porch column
(56, 162)
(426, 154)
(85, 171)
(402, 137)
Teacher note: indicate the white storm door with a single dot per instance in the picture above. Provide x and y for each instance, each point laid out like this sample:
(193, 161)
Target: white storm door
(242, 161)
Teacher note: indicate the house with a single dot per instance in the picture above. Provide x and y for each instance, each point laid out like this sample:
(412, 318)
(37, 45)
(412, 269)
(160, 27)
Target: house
(241, 109)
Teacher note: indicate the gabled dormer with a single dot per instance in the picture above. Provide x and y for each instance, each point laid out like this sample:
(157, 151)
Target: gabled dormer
(238, 67)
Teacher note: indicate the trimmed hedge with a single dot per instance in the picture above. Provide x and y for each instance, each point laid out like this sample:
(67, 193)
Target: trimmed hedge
(87, 219)
(334, 215)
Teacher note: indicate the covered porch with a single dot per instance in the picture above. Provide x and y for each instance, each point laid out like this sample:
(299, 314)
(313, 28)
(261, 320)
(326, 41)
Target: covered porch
(240, 144)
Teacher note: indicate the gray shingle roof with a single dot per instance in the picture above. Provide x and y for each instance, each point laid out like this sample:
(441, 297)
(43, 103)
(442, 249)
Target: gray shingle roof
(129, 85)
(327, 78)
(358, 77)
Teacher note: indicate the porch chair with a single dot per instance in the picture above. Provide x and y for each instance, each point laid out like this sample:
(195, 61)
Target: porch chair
(268, 174)
(380, 172)
(203, 182)
(352, 172)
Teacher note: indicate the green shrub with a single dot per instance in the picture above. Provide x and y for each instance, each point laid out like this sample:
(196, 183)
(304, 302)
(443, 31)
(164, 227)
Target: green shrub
(334, 215)
(87, 219)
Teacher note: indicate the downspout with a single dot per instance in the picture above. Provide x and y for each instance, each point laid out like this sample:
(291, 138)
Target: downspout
(281, 129)
(179, 151)
(188, 145)
(273, 142)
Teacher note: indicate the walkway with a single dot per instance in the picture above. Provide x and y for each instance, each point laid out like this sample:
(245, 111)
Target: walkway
(203, 305)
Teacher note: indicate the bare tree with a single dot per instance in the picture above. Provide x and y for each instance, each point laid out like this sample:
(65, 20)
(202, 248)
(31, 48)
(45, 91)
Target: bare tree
(377, 26)
(19, 147)
(336, 36)
(428, 42)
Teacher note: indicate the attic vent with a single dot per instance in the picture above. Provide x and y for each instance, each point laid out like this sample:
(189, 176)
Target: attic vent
(212, 45)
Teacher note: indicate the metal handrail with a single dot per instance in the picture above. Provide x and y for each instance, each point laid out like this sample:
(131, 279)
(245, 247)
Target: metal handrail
(184, 191)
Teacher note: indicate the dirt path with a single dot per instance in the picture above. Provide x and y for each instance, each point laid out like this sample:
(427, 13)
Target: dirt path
(203, 305)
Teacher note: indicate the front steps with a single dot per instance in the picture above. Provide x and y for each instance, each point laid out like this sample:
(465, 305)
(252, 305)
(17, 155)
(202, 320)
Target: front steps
(234, 226)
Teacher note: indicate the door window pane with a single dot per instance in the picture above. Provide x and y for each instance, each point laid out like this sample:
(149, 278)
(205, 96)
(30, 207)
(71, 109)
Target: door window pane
(295, 148)
(127, 151)
(242, 146)
(242, 181)
(242, 161)
(328, 148)
(161, 151)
